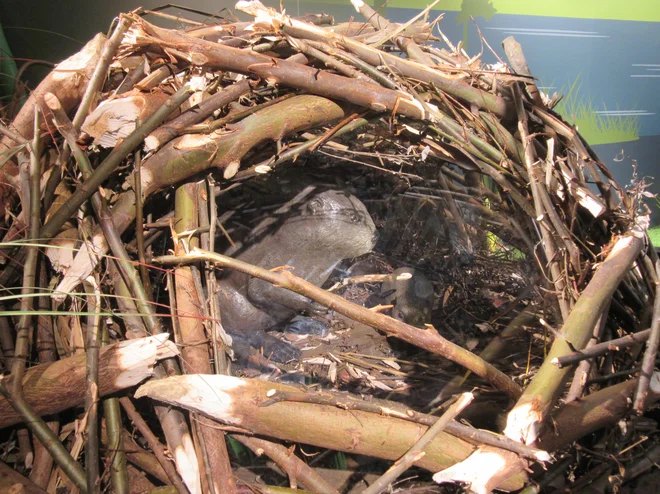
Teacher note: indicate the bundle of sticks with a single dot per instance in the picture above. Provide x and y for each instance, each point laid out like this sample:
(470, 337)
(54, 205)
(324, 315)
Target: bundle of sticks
(149, 110)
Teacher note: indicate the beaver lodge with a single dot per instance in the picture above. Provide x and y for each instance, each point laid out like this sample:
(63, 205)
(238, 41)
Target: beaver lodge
(500, 334)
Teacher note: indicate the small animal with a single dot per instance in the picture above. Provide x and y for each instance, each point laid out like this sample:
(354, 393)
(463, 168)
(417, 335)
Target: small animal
(311, 233)
(411, 293)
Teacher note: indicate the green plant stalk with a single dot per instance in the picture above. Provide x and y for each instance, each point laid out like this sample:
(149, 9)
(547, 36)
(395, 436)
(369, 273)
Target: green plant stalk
(525, 420)
(24, 326)
(91, 392)
(109, 165)
(172, 421)
(101, 70)
(112, 414)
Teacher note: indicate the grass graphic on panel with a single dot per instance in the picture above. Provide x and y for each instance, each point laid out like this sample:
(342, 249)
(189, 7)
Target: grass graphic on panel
(597, 128)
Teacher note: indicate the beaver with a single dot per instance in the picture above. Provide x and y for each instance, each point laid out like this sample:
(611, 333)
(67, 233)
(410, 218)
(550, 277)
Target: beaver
(411, 293)
(311, 233)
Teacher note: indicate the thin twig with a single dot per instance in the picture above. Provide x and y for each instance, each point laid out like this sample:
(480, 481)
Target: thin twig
(417, 450)
(602, 348)
(154, 444)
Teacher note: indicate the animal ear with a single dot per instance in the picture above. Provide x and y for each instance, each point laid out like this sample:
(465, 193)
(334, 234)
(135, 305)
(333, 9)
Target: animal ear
(315, 205)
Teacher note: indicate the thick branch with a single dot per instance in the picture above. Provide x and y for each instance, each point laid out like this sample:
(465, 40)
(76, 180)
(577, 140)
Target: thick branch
(236, 402)
(54, 387)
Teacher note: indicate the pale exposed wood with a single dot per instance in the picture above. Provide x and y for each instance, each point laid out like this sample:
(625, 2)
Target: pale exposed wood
(67, 81)
(237, 402)
(114, 119)
(57, 386)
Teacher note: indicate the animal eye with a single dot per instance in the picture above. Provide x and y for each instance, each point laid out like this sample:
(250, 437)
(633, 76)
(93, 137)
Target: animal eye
(354, 217)
(315, 205)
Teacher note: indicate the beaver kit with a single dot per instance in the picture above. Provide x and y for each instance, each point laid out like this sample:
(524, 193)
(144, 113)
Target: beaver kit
(341, 245)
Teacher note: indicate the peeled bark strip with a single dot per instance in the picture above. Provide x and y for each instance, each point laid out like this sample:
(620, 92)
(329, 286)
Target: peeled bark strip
(68, 82)
(54, 387)
(485, 470)
(236, 402)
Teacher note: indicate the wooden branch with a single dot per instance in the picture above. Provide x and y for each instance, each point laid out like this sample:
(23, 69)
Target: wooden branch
(169, 130)
(413, 454)
(13, 482)
(54, 387)
(68, 81)
(268, 19)
(428, 339)
(189, 155)
(320, 82)
(155, 445)
(194, 342)
(602, 348)
(650, 353)
(296, 469)
(524, 422)
(593, 412)
(236, 402)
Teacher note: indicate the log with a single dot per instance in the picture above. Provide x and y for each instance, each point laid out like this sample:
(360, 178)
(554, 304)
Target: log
(13, 482)
(236, 402)
(54, 387)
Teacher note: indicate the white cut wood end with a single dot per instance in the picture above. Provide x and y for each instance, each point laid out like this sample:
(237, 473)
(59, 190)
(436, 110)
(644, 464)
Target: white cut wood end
(211, 395)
